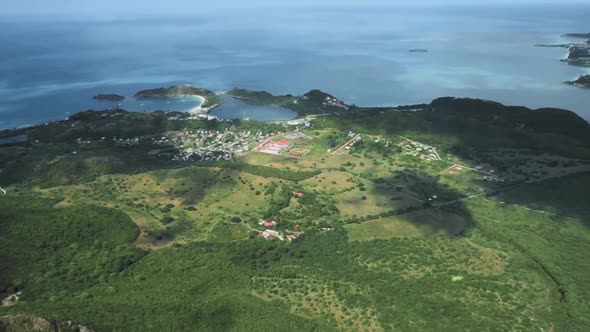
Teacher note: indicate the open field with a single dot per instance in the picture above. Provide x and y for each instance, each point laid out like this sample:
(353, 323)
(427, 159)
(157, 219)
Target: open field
(421, 223)
(173, 205)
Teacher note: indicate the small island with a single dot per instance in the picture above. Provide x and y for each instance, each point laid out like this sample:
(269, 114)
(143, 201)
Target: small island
(582, 82)
(111, 97)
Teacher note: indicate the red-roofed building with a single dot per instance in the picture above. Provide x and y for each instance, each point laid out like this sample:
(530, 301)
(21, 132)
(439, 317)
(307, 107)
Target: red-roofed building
(269, 223)
(283, 143)
(298, 194)
(276, 147)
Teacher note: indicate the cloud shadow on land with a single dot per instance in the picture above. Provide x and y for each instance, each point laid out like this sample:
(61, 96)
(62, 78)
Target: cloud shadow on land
(434, 209)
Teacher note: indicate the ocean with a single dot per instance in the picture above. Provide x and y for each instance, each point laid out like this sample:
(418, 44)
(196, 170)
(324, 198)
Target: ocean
(52, 68)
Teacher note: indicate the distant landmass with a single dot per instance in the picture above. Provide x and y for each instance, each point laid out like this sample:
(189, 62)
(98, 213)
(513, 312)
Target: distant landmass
(578, 55)
(577, 35)
(112, 97)
(578, 52)
(582, 82)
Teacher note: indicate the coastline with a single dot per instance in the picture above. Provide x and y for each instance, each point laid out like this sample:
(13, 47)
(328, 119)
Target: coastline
(199, 108)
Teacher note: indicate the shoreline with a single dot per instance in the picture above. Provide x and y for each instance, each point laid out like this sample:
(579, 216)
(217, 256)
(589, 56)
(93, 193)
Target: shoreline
(199, 108)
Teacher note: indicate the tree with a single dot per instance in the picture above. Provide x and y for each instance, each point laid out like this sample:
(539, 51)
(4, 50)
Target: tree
(167, 220)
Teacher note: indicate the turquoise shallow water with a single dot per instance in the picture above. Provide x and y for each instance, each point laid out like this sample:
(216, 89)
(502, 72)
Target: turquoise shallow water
(49, 69)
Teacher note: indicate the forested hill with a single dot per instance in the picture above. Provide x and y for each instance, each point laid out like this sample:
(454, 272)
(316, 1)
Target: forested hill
(173, 91)
(543, 120)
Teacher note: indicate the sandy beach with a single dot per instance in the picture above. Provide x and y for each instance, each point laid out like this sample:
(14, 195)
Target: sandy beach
(199, 109)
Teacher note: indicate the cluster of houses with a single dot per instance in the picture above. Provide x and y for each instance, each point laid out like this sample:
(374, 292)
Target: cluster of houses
(334, 102)
(115, 139)
(354, 139)
(208, 145)
(419, 149)
(270, 234)
(298, 122)
(164, 140)
(199, 116)
(492, 178)
(212, 145)
(455, 169)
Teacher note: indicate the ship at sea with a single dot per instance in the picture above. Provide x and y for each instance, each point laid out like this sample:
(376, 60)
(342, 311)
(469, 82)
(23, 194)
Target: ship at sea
(421, 50)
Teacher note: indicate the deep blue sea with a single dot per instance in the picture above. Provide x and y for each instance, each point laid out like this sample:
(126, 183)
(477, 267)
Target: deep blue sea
(52, 67)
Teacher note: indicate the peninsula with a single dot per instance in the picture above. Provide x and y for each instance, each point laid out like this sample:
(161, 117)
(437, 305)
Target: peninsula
(578, 54)
(211, 99)
(582, 82)
(312, 101)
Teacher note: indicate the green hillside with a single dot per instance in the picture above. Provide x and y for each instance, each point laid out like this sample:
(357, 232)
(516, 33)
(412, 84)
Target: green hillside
(459, 215)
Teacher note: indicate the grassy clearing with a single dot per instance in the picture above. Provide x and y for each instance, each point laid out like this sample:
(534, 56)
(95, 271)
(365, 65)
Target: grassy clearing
(181, 205)
(421, 223)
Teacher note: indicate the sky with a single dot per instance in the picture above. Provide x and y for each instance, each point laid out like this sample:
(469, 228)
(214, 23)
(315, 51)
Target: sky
(115, 8)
